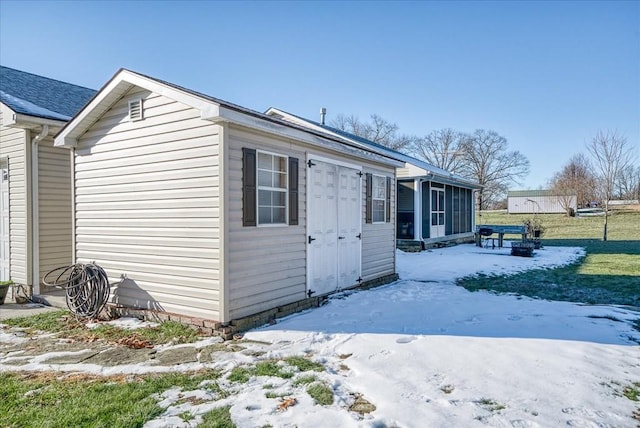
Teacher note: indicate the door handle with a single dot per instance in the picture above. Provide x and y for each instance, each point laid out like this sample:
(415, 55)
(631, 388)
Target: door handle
(311, 239)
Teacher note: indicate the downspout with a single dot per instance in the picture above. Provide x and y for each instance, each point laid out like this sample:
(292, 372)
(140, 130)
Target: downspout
(35, 212)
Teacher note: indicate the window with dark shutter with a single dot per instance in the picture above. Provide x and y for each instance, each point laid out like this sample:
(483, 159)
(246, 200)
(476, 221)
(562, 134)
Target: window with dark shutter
(249, 209)
(369, 193)
(293, 191)
(388, 201)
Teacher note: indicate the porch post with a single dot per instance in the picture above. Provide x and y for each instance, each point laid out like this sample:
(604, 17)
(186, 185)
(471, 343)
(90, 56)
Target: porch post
(417, 210)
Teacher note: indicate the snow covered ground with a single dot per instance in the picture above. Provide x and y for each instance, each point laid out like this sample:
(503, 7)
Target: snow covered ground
(427, 353)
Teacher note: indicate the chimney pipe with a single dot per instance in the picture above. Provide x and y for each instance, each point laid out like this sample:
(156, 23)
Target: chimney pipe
(323, 113)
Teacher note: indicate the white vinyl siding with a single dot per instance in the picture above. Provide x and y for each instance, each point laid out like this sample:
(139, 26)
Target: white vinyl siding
(266, 265)
(54, 207)
(378, 239)
(147, 205)
(13, 144)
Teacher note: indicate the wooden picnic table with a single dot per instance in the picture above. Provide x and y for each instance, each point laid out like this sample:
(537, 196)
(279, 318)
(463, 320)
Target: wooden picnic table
(487, 230)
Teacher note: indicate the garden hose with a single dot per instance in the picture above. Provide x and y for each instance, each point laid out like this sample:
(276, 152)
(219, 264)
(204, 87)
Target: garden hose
(86, 287)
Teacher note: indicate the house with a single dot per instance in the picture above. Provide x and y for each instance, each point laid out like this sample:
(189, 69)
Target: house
(199, 207)
(35, 179)
(433, 207)
(539, 202)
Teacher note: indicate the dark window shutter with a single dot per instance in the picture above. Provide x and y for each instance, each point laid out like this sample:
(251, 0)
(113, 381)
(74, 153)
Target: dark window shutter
(369, 191)
(249, 209)
(293, 191)
(388, 201)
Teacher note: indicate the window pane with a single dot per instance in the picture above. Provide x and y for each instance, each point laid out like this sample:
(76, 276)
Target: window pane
(280, 180)
(441, 218)
(434, 219)
(265, 178)
(441, 201)
(278, 199)
(434, 200)
(377, 211)
(265, 161)
(280, 164)
(264, 215)
(264, 198)
(279, 215)
(379, 184)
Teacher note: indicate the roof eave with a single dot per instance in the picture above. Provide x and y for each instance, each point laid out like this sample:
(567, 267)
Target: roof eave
(13, 119)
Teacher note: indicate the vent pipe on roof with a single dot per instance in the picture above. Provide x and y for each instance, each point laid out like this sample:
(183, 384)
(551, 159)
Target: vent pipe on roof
(323, 113)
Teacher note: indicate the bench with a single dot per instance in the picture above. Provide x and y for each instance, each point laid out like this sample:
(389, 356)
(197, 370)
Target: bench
(488, 230)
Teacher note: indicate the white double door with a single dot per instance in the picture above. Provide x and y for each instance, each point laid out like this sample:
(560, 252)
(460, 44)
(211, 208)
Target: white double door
(334, 227)
(4, 221)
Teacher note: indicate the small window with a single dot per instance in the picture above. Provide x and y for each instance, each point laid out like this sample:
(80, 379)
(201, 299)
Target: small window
(379, 199)
(272, 188)
(135, 110)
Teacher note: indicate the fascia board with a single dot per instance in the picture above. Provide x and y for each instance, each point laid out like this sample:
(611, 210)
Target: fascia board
(238, 118)
(8, 115)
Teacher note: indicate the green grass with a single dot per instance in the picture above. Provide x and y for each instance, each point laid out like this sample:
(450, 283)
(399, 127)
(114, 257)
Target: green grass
(320, 393)
(274, 368)
(609, 274)
(632, 392)
(217, 418)
(66, 325)
(46, 400)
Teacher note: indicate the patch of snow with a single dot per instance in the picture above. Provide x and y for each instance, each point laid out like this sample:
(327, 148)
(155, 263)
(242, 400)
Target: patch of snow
(125, 323)
(32, 109)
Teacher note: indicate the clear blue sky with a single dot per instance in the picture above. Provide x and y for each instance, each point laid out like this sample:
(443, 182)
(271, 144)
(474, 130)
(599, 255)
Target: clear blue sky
(545, 75)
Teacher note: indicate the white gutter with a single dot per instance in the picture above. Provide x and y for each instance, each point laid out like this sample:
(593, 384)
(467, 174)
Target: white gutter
(35, 214)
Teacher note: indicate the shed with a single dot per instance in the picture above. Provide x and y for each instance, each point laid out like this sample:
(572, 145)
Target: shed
(434, 206)
(539, 202)
(35, 179)
(199, 207)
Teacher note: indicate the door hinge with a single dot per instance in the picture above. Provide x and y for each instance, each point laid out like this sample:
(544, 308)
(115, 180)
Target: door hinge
(310, 292)
(341, 237)
(359, 279)
(360, 174)
(359, 235)
(311, 239)
(310, 163)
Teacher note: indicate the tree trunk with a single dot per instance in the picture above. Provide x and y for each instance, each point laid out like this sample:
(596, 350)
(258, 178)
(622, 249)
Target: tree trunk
(606, 219)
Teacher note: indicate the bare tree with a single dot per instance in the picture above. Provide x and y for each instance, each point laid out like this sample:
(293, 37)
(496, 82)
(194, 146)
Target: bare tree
(575, 178)
(442, 148)
(378, 130)
(628, 183)
(486, 160)
(611, 154)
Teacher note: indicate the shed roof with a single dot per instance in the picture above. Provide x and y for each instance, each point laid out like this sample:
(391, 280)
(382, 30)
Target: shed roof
(443, 173)
(211, 108)
(533, 193)
(38, 96)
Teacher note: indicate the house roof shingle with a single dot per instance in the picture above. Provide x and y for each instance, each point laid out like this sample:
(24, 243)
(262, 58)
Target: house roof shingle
(38, 96)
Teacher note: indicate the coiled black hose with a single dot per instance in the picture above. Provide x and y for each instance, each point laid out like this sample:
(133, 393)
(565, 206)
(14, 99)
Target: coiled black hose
(86, 287)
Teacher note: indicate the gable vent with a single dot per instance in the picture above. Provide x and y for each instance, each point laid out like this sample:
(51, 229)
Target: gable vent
(135, 109)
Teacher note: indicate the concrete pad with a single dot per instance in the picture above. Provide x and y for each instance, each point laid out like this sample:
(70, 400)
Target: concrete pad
(72, 357)
(16, 310)
(175, 356)
(120, 356)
